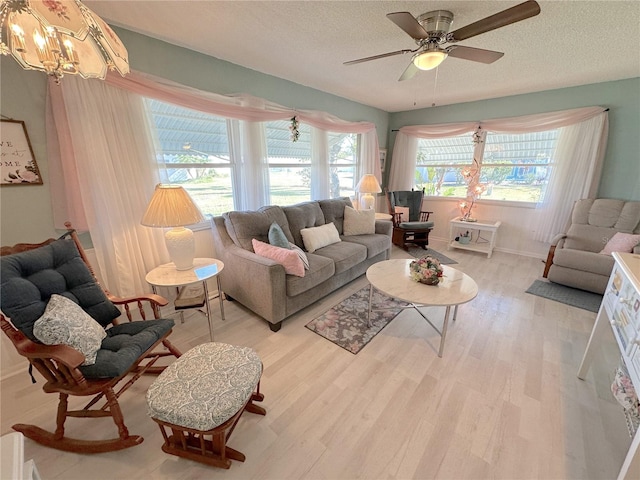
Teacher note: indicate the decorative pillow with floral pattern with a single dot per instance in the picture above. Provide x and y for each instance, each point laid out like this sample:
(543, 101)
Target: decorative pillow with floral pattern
(65, 322)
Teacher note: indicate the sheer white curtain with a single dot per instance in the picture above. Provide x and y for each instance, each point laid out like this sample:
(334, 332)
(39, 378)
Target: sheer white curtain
(405, 149)
(578, 157)
(109, 158)
(403, 166)
(104, 170)
(320, 187)
(578, 163)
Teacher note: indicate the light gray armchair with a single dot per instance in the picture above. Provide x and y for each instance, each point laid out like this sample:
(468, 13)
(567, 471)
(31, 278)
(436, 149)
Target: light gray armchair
(574, 259)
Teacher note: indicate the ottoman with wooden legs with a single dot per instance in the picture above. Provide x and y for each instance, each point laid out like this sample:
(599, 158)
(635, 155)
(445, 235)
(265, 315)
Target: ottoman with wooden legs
(200, 397)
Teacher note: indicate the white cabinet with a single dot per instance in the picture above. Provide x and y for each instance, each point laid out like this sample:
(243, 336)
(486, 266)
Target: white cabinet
(13, 466)
(620, 309)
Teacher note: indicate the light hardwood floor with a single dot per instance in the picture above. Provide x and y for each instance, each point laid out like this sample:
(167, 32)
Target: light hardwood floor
(504, 401)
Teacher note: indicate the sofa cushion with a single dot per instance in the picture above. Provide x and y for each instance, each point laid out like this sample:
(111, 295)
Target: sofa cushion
(65, 323)
(318, 237)
(375, 244)
(245, 226)
(288, 258)
(621, 242)
(333, 210)
(344, 255)
(584, 261)
(320, 269)
(303, 215)
(28, 280)
(359, 222)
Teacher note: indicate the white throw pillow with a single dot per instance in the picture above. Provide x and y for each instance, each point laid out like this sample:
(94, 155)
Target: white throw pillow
(318, 237)
(65, 322)
(359, 222)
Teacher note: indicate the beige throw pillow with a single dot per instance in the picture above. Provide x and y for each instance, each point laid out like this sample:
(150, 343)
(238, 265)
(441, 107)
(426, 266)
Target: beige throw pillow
(318, 237)
(359, 222)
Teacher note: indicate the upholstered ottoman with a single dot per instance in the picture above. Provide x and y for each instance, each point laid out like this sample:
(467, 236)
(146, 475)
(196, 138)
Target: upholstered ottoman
(200, 398)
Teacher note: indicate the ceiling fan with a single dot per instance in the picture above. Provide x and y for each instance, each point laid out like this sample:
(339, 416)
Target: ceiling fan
(431, 31)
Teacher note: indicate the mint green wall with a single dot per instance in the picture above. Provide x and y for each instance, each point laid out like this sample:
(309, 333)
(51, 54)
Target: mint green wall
(621, 169)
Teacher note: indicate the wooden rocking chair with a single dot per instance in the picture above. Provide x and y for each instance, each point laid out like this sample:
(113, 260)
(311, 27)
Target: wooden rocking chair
(30, 274)
(413, 228)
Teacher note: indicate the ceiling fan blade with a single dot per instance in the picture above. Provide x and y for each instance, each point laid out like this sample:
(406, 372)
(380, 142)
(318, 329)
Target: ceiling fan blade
(409, 24)
(474, 54)
(376, 57)
(409, 72)
(501, 19)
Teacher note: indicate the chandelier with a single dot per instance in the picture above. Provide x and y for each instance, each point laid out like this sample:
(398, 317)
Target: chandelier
(60, 37)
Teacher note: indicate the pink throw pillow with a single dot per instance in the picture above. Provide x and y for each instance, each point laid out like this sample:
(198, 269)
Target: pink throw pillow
(621, 242)
(289, 259)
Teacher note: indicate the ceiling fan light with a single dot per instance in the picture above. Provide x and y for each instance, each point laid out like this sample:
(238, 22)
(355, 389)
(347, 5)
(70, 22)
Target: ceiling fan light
(429, 60)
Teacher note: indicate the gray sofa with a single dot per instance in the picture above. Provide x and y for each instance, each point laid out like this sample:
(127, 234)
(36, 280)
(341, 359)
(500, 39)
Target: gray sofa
(261, 284)
(574, 259)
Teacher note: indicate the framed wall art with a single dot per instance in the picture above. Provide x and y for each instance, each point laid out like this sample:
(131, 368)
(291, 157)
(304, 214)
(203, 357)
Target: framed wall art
(17, 163)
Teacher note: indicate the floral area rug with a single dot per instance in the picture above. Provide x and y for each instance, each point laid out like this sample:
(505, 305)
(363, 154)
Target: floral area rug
(346, 323)
(430, 252)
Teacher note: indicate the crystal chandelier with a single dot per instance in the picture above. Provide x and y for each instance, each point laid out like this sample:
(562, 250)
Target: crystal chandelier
(60, 37)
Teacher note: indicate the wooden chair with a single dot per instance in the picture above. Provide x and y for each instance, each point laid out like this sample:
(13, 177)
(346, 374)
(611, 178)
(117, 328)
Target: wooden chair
(30, 274)
(414, 230)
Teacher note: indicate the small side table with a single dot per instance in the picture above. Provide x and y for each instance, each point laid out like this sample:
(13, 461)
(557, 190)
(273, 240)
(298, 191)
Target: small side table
(480, 244)
(203, 269)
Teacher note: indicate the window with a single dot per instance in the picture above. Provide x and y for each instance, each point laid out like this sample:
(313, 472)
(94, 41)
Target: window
(439, 165)
(343, 163)
(289, 163)
(513, 167)
(196, 152)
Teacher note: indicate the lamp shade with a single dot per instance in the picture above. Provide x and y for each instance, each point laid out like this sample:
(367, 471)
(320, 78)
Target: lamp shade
(368, 184)
(60, 37)
(171, 206)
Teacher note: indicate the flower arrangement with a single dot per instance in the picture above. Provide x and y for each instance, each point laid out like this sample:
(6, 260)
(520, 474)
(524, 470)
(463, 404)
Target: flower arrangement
(293, 128)
(426, 270)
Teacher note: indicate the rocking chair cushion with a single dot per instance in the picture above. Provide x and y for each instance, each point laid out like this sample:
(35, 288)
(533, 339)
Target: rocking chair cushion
(416, 225)
(28, 279)
(124, 345)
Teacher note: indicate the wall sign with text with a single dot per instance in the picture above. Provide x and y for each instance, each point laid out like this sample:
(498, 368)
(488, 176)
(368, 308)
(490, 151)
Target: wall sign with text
(17, 163)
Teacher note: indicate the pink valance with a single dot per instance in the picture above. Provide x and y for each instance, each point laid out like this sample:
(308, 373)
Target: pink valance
(240, 107)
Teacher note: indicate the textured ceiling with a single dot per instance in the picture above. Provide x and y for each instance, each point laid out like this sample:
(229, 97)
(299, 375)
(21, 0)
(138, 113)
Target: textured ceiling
(569, 43)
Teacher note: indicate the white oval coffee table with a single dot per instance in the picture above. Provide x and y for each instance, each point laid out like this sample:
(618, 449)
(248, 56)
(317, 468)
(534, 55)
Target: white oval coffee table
(392, 278)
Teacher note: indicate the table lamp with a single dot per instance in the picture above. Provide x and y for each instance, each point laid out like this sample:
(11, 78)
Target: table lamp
(171, 206)
(367, 185)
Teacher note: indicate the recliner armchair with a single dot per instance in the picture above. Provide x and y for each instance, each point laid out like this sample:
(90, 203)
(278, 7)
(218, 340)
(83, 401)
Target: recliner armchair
(30, 274)
(574, 259)
(414, 230)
